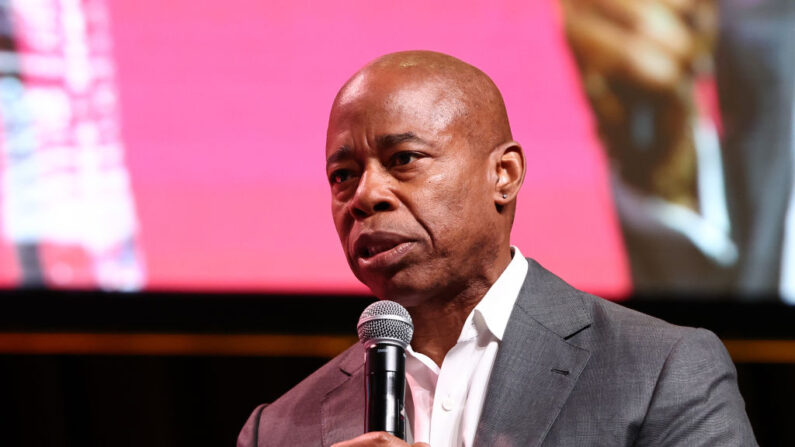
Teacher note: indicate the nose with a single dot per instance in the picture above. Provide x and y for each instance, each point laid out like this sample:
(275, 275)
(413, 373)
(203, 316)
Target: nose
(373, 194)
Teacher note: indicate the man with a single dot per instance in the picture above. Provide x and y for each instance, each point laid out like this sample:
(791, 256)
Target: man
(424, 175)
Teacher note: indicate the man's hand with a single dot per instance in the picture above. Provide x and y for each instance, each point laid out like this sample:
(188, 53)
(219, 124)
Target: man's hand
(654, 44)
(638, 60)
(377, 439)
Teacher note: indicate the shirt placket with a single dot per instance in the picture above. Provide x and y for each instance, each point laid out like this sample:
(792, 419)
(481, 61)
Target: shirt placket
(451, 393)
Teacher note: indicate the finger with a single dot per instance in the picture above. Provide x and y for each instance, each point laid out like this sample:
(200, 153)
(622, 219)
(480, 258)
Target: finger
(680, 6)
(661, 25)
(372, 439)
(704, 21)
(653, 20)
(684, 7)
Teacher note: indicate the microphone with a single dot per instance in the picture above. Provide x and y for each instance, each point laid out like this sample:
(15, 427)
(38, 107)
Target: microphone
(385, 330)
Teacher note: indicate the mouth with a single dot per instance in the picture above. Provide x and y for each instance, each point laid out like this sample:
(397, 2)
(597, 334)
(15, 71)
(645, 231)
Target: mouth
(377, 250)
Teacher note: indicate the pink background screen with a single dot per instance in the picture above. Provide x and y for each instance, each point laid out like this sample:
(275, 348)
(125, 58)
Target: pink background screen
(224, 107)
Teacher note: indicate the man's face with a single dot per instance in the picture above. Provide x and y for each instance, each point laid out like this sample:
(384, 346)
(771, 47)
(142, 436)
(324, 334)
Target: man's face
(412, 200)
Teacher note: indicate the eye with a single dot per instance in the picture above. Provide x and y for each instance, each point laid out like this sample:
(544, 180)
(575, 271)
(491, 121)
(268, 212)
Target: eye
(339, 176)
(404, 158)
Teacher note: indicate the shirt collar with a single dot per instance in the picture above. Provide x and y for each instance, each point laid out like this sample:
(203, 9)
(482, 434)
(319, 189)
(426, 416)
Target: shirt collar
(494, 310)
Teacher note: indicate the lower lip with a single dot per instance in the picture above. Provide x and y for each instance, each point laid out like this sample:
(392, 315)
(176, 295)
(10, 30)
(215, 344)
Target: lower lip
(386, 258)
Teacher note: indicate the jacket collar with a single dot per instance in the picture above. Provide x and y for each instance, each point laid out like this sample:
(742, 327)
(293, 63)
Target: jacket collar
(536, 367)
(342, 408)
(551, 302)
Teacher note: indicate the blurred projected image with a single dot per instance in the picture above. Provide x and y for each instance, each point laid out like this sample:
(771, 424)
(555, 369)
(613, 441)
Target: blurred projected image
(659, 139)
(694, 104)
(67, 208)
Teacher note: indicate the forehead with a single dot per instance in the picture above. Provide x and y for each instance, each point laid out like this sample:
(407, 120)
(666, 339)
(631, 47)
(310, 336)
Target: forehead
(389, 104)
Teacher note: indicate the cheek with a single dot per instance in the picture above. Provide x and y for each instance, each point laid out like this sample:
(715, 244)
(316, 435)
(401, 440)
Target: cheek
(445, 194)
(454, 200)
(341, 222)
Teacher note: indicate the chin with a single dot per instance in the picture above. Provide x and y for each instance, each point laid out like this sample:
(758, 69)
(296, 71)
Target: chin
(406, 293)
(408, 284)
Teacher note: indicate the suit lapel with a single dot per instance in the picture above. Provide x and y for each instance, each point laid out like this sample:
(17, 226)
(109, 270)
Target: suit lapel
(536, 368)
(342, 409)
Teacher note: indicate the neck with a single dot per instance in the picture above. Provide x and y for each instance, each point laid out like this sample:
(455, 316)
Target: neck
(438, 320)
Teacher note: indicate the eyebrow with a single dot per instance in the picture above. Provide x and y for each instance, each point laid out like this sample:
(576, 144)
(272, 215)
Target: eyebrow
(382, 141)
(391, 140)
(340, 154)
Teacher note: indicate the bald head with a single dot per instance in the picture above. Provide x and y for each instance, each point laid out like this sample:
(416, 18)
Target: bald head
(452, 93)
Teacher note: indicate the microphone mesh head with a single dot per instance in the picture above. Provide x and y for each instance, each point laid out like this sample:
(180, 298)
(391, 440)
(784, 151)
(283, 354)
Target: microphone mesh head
(385, 321)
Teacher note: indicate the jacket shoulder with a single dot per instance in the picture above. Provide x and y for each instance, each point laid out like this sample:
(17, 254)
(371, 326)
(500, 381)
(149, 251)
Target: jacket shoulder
(587, 320)
(663, 384)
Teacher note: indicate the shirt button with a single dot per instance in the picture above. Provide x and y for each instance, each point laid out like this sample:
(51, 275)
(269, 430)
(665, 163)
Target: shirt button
(448, 404)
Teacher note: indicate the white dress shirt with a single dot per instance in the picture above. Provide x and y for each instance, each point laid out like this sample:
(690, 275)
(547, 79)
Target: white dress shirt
(443, 405)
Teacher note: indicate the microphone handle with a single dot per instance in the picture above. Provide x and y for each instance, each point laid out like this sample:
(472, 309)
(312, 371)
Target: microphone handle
(384, 389)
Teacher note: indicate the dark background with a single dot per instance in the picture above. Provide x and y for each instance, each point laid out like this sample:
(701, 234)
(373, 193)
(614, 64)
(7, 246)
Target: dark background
(196, 400)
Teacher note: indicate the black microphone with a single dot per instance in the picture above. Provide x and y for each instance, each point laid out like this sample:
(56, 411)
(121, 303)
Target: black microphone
(385, 330)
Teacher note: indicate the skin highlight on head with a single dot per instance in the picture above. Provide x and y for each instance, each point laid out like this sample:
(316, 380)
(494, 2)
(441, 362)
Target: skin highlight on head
(465, 92)
(424, 175)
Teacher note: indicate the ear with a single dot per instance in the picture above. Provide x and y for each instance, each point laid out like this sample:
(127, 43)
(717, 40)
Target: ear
(509, 167)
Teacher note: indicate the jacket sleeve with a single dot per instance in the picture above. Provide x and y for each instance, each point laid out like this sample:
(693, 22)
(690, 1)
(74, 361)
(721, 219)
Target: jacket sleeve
(696, 401)
(248, 436)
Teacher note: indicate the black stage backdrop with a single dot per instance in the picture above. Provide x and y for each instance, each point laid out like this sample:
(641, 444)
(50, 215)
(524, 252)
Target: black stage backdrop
(161, 369)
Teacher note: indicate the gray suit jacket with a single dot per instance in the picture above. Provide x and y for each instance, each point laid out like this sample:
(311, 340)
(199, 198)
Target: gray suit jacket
(572, 370)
